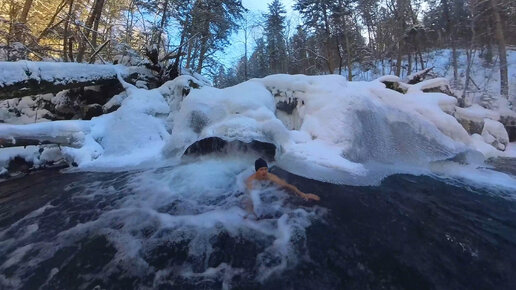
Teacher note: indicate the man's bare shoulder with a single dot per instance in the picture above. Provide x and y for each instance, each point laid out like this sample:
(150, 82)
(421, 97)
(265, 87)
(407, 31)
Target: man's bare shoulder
(251, 177)
(274, 178)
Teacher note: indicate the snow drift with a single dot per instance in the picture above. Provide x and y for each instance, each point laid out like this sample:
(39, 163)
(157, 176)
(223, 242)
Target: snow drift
(323, 127)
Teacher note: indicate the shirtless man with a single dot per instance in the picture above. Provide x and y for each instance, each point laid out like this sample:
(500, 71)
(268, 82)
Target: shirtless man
(262, 173)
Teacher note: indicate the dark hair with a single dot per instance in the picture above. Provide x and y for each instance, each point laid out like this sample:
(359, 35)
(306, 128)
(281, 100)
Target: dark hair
(259, 163)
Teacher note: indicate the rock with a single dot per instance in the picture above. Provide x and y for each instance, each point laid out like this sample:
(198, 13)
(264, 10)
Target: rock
(4, 173)
(198, 120)
(510, 126)
(91, 111)
(472, 126)
(19, 164)
(494, 133)
(64, 104)
(141, 84)
(472, 118)
(99, 94)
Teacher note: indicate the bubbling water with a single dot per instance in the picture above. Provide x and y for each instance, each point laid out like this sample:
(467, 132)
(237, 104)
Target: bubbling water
(184, 225)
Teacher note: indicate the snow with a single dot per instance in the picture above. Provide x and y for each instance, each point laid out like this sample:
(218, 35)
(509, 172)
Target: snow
(29, 153)
(33, 154)
(116, 100)
(494, 133)
(477, 113)
(485, 76)
(510, 151)
(24, 110)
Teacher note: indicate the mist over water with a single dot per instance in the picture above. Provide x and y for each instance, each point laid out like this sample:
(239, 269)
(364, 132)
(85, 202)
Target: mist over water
(185, 226)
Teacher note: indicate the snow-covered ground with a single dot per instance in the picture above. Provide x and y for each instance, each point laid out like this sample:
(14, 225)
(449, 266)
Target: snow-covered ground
(485, 76)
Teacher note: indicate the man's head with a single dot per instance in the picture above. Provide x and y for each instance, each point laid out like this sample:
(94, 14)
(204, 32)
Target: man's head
(261, 168)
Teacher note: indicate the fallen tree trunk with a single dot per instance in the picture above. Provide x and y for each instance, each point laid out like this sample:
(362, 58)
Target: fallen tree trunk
(69, 141)
(25, 78)
(57, 132)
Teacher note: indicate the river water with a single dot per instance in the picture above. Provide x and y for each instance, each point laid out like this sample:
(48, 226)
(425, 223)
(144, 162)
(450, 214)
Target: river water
(184, 227)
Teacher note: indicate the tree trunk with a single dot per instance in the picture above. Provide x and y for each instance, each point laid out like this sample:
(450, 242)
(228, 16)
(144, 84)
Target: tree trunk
(409, 68)
(202, 54)
(469, 55)
(189, 53)
(96, 10)
(34, 84)
(328, 40)
(129, 23)
(65, 33)
(22, 20)
(49, 25)
(65, 139)
(162, 24)
(504, 79)
(422, 63)
(449, 27)
(398, 60)
(96, 22)
(349, 63)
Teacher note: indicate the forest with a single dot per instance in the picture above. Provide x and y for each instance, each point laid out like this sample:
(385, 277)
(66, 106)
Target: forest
(333, 36)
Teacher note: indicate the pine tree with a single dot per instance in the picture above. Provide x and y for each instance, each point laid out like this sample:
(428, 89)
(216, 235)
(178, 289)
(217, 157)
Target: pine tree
(275, 37)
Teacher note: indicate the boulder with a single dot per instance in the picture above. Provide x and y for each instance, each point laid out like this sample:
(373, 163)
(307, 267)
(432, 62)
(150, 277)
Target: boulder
(472, 118)
(494, 133)
(91, 111)
(65, 104)
(510, 125)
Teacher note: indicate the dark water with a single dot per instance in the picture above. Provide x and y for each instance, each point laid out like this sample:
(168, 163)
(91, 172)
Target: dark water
(411, 232)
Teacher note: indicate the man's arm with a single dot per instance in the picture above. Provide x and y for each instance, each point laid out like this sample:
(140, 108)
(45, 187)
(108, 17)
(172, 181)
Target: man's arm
(249, 182)
(249, 207)
(284, 184)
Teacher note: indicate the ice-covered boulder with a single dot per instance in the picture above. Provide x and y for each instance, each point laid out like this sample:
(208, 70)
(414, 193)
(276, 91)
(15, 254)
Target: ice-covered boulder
(323, 127)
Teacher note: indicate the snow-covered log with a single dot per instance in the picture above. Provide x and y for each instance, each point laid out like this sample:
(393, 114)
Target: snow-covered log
(418, 76)
(70, 134)
(24, 78)
(65, 140)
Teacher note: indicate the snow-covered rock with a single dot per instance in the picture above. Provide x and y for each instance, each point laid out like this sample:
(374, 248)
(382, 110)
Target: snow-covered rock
(90, 111)
(494, 133)
(472, 118)
(323, 123)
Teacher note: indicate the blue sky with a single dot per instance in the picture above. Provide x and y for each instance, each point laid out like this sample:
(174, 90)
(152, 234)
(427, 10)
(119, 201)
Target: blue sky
(261, 5)
(256, 8)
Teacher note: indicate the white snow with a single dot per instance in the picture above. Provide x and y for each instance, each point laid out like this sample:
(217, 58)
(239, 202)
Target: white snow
(30, 154)
(494, 132)
(477, 113)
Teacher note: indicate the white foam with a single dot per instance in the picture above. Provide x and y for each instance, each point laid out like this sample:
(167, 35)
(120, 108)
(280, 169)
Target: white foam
(192, 203)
